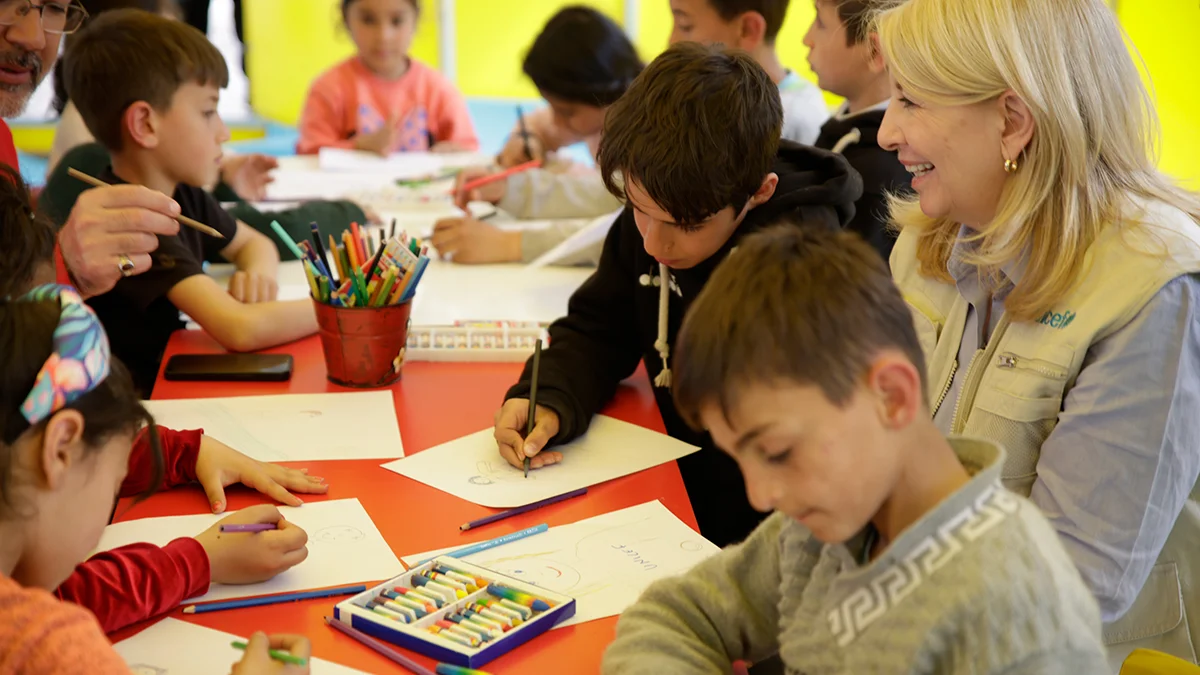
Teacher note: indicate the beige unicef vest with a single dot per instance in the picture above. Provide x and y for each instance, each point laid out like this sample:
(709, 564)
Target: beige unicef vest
(1013, 391)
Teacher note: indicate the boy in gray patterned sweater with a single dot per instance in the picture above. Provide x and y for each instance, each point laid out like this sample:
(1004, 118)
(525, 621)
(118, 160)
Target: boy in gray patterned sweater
(891, 549)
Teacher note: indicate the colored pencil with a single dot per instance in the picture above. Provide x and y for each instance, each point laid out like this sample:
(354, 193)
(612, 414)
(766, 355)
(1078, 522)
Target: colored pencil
(256, 527)
(383, 649)
(194, 224)
(321, 252)
(392, 233)
(472, 549)
(501, 175)
(288, 241)
(529, 421)
(374, 263)
(524, 132)
(201, 608)
(521, 509)
(277, 654)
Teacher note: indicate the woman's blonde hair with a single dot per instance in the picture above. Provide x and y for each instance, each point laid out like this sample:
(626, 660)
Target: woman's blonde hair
(1093, 147)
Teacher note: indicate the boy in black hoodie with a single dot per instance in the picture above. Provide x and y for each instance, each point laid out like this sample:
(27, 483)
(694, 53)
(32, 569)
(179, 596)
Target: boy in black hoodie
(845, 62)
(693, 148)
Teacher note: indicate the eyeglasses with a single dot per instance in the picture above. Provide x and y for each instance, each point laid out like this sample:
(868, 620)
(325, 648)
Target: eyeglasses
(59, 18)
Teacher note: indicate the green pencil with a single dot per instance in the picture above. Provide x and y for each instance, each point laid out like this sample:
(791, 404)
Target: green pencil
(277, 654)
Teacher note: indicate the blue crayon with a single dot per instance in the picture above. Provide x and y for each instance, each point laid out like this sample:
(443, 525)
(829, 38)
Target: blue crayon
(485, 635)
(436, 599)
(518, 597)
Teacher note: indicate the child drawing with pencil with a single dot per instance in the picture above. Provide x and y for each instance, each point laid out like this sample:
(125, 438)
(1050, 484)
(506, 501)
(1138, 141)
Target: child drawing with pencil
(381, 99)
(147, 88)
(581, 63)
(69, 415)
(185, 567)
(890, 548)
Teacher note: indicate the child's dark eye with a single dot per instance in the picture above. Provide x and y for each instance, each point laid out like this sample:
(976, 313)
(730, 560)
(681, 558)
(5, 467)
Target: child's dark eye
(689, 228)
(779, 458)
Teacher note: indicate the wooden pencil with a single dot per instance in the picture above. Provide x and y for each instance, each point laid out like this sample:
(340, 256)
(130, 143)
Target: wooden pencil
(194, 224)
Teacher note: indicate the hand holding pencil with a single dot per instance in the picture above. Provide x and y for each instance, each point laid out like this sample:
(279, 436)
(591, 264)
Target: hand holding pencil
(515, 444)
(274, 655)
(253, 557)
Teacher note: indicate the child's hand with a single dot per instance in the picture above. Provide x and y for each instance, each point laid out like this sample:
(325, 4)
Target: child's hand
(492, 192)
(449, 146)
(253, 557)
(510, 430)
(474, 242)
(380, 141)
(258, 661)
(513, 152)
(248, 175)
(219, 465)
(250, 288)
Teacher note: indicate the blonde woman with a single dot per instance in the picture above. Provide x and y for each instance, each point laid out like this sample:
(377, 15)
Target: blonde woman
(1052, 271)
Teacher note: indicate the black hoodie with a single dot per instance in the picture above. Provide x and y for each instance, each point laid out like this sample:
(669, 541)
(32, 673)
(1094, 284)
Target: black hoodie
(612, 323)
(881, 172)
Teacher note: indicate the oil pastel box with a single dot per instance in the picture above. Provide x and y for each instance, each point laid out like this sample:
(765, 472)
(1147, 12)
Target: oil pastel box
(440, 609)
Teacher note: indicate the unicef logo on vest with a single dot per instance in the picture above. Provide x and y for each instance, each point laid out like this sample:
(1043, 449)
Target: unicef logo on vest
(1057, 319)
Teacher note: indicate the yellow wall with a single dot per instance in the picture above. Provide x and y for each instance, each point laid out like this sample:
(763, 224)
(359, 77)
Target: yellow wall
(1165, 33)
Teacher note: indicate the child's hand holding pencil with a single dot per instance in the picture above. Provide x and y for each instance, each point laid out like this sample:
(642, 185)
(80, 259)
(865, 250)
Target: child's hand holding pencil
(274, 655)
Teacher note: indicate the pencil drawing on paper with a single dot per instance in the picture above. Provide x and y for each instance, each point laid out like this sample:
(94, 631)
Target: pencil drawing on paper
(500, 473)
(336, 533)
(143, 669)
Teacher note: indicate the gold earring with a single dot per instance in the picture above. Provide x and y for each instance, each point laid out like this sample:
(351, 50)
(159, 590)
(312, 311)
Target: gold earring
(1010, 166)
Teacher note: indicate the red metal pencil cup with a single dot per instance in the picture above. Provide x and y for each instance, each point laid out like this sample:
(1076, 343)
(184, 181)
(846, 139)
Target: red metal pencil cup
(364, 346)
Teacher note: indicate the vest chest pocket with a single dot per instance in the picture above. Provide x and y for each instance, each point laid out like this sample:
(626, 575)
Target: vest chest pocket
(1017, 405)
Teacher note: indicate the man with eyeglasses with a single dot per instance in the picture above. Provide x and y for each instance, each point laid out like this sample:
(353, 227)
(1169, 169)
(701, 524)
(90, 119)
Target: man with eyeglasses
(112, 230)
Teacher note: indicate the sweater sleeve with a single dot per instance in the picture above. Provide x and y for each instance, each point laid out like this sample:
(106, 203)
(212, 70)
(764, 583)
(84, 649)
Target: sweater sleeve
(138, 582)
(540, 194)
(41, 635)
(724, 609)
(321, 121)
(594, 346)
(181, 449)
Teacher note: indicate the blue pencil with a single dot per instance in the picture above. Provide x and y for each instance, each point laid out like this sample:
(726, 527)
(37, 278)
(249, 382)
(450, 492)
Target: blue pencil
(492, 543)
(272, 599)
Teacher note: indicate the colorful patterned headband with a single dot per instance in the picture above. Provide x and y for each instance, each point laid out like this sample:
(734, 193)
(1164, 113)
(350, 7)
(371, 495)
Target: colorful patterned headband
(80, 360)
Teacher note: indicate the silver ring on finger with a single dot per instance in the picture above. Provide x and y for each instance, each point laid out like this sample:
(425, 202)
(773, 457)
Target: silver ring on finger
(125, 264)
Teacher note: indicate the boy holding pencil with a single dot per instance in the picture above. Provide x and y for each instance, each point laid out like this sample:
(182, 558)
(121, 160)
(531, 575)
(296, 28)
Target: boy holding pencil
(890, 549)
(147, 88)
(694, 187)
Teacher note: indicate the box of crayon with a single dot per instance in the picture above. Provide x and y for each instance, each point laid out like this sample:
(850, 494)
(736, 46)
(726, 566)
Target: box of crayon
(455, 612)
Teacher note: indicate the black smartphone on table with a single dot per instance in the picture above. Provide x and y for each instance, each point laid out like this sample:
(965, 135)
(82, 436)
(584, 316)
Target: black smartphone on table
(229, 368)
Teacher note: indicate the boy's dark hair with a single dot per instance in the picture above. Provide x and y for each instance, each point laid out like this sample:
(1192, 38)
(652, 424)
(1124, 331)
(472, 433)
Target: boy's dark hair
(112, 407)
(26, 237)
(773, 11)
(416, 4)
(793, 304)
(94, 9)
(582, 56)
(126, 56)
(857, 15)
(697, 130)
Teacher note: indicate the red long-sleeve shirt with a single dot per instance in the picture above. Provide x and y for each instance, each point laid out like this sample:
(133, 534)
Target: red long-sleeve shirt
(136, 582)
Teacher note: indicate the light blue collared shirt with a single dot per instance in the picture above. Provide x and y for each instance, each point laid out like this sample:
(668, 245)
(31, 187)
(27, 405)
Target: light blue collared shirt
(1135, 408)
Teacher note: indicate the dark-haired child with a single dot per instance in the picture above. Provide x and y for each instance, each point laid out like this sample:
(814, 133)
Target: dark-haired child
(381, 99)
(890, 549)
(69, 414)
(581, 63)
(691, 196)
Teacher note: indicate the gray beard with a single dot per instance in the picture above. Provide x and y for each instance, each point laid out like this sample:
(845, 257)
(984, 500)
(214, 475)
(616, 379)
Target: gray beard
(13, 99)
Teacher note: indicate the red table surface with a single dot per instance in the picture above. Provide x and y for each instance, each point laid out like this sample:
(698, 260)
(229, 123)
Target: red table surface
(435, 403)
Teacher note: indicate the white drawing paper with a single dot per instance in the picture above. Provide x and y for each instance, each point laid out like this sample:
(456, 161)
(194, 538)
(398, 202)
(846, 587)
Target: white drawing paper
(603, 562)
(471, 467)
(399, 164)
(344, 547)
(450, 292)
(590, 235)
(174, 647)
(292, 427)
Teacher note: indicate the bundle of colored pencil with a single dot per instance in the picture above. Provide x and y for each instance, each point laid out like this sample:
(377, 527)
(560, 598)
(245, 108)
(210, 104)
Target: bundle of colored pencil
(388, 276)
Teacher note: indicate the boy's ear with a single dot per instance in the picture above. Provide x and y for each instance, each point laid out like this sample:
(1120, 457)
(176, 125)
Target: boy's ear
(765, 191)
(141, 124)
(752, 30)
(875, 61)
(897, 387)
(60, 449)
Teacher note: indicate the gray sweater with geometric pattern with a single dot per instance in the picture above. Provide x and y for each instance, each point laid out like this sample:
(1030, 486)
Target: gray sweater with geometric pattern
(980, 585)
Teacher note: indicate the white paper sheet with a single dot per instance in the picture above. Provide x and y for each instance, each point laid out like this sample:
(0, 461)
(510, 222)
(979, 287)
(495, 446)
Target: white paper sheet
(344, 547)
(603, 562)
(471, 467)
(592, 234)
(293, 427)
(400, 164)
(174, 647)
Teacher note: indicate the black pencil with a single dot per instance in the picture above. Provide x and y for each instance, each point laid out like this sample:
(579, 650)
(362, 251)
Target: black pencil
(529, 424)
(375, 262)
(392, 233)
(524, 133)
(320, 249)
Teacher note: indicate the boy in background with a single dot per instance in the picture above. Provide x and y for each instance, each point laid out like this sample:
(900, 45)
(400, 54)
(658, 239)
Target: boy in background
(693, 149)
(752, 26)
(148, 87)
(847, 64)
(890, 549)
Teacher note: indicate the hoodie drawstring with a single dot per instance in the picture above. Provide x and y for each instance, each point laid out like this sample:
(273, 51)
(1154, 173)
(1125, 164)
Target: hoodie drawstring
(853, 137)
(663, 379)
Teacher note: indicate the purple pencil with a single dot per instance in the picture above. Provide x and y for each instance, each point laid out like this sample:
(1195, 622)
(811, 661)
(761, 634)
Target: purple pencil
(256, 527)
(382, 649)
(521, 509)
